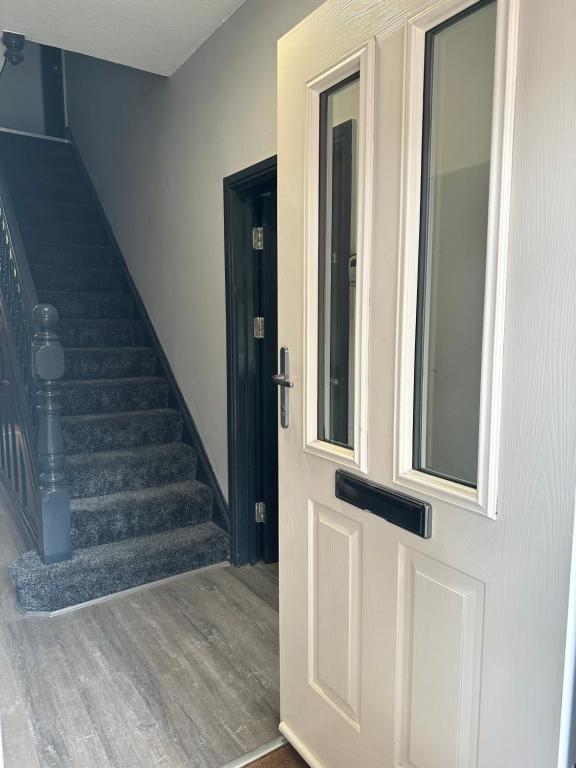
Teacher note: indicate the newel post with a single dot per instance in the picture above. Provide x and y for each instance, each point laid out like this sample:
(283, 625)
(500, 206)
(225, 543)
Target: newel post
(48, 367)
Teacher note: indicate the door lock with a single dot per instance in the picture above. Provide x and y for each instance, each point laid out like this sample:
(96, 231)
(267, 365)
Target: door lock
(282, 380)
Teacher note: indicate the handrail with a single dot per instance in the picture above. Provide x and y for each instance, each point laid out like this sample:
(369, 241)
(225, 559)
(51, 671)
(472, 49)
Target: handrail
(17, 288)
(31, 363)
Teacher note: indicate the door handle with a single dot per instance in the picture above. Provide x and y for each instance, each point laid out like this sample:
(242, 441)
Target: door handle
(282, 380)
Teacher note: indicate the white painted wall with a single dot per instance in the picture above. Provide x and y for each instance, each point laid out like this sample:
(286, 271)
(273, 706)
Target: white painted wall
(157, 151)
(21, 102)
(147, 34)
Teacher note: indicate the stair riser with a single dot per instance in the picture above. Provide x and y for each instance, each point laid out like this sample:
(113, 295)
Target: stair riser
(63, 255)
(121, 520)
(102, 333)
(64, 232)
(90, 306)
(51, 211)
(78, 279)
(97, 364)
(97, 479)
(86, 435)
(112, 397)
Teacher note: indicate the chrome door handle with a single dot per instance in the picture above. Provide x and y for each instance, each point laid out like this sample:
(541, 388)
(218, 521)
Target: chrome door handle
(282, 380)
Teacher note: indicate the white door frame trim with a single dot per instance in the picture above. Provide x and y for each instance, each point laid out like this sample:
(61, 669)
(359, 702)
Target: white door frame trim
(484, 498)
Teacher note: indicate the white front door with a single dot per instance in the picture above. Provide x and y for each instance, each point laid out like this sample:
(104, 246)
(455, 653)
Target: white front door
(426, 272)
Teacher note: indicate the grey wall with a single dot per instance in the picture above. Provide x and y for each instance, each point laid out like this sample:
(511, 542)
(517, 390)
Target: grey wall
(157, 151)
(21, 103)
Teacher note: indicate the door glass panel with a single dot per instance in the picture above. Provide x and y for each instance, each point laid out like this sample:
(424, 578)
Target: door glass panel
(458, 87)
(339, 110)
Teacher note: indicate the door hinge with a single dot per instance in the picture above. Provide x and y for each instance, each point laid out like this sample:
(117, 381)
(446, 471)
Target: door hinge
(258, 238)
(260, 509)
(258, 327)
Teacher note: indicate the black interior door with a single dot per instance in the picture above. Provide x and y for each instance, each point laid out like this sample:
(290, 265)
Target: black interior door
(251, 292)
(53, 91)
(265, 541)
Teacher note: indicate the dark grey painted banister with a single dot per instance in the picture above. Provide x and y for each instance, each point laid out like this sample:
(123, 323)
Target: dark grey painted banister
(48, 366)
(31, 363)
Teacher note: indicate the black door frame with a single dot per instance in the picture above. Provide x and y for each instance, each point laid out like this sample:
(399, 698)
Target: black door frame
(240, 191)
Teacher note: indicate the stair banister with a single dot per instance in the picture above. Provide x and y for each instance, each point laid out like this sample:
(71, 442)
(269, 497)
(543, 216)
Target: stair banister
(31, 364)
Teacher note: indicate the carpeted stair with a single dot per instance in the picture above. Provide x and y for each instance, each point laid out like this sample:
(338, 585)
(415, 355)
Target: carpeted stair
(138, 511)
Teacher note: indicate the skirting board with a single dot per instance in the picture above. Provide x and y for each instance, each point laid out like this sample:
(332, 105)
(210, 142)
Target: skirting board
(256, 754)
(122, 593)
(301, 748)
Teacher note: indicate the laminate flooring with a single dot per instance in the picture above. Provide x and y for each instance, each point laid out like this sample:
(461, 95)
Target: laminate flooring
(180, 675)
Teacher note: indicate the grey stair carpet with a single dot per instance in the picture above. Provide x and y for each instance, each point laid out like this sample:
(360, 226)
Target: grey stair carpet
(89, 306)
(107, 431)
(102, 333)
(107, 568)
(65, 255)
(138, 511)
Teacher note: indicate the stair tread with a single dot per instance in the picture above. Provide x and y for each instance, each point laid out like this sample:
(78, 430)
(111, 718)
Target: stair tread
(88, 305)
(109, 362)
(25, 198)
(97, 503)
(102, 333)
(79, 269)
(129, 514)
(140, 466)
(119, 415)
(137, 453)
(100, 520)
(35, 241)
(113, 350)
(109, 568)
(72, 278)
(63, 255)
(140, 393)
(96, 432)
(82, 294)
(112, 382)
(102, 322)
(35, 219)
(53, 187)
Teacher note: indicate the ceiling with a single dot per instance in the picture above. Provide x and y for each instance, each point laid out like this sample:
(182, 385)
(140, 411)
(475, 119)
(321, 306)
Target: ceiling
(153, 35)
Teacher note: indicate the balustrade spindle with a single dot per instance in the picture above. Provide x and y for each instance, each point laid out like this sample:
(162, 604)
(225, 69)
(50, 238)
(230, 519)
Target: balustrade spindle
(48, 368)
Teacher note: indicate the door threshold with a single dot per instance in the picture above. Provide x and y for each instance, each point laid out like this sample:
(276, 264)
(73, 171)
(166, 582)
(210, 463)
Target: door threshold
(256, 754)
(115, 595)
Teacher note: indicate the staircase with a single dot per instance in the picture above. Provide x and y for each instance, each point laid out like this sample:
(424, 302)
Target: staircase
(138, 511)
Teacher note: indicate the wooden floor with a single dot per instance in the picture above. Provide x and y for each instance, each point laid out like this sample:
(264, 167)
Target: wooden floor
(285, 757)
(182, 675)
